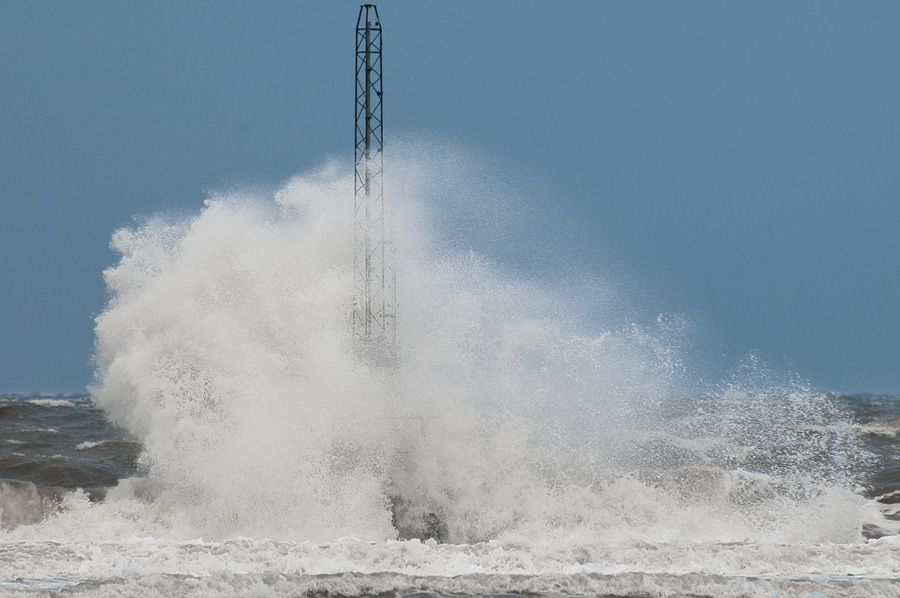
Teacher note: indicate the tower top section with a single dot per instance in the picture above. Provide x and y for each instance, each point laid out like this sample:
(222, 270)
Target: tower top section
(368, 13)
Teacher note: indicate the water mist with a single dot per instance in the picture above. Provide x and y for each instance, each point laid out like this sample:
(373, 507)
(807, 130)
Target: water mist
(225, 351)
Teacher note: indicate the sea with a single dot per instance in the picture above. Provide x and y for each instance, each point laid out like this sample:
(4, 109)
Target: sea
(534, 437)
(81, 516)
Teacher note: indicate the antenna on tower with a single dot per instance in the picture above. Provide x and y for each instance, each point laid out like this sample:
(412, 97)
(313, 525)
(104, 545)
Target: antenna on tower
(374, 279)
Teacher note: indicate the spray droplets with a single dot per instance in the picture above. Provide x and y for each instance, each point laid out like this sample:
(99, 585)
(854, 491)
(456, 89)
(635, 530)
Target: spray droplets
(226, 350)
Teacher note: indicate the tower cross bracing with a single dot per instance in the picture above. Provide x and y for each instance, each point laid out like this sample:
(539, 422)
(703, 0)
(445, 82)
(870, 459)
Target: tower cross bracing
(374, 279)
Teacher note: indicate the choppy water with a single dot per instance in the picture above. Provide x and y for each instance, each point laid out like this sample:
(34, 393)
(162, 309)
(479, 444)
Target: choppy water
(654, 533)
(528, 443)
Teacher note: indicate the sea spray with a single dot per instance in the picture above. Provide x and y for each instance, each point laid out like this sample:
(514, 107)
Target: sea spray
(225, 351)
(222, 351)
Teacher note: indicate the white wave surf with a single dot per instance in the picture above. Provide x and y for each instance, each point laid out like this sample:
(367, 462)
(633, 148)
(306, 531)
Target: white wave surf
(548, 454)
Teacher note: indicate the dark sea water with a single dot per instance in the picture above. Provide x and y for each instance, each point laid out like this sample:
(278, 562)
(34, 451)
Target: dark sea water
(62, 441)
(878, 422)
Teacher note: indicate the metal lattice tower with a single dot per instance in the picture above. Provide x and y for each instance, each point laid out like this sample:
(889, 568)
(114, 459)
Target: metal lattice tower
(374, 278)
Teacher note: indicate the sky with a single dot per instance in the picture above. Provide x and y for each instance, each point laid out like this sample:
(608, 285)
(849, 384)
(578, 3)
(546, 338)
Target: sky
(738, 160)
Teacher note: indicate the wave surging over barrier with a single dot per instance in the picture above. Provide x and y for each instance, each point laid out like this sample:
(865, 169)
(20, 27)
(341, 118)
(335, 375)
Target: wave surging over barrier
(225, 351)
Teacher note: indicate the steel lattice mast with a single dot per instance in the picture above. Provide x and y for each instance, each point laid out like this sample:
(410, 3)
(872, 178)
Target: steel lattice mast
(374, 309)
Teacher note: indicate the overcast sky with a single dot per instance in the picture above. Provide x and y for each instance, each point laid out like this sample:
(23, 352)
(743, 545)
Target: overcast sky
(739, 160)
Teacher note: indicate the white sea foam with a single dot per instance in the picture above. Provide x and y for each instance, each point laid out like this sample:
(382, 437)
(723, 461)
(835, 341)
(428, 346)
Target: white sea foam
(51, 402)
(887, 427)
(351, 567)
(89, 445)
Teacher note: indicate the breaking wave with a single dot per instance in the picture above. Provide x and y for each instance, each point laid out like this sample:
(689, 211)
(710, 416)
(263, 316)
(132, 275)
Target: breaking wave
(524, 406)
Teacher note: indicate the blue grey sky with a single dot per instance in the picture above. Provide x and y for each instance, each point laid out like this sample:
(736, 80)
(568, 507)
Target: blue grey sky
(742, 157)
